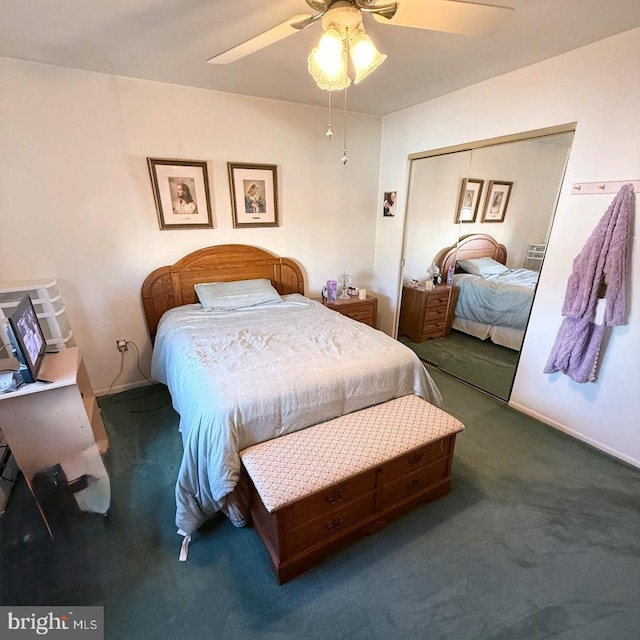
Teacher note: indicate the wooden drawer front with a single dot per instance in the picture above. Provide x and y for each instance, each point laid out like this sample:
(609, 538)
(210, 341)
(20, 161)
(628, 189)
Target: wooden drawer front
(435, 314)
(329, 525)
(412, 484)
(440, 299)
(435, 320)
(362, 315)
(325, 501)
(415, 459)
(434, 330)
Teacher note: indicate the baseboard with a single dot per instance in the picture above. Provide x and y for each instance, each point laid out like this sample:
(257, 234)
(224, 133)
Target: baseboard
(619, 455)
(123, 387)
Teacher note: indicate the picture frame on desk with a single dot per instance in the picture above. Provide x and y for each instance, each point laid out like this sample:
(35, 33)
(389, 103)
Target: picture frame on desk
(181, 193)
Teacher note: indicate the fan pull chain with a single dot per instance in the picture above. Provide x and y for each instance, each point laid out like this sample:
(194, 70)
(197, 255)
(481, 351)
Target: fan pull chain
(329, 133)
(344, 153)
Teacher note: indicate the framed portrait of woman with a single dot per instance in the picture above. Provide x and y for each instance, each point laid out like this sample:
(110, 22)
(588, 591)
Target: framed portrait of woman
(254, 194)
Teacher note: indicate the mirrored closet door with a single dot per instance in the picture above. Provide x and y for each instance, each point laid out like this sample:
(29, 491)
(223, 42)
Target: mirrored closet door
(478, 219)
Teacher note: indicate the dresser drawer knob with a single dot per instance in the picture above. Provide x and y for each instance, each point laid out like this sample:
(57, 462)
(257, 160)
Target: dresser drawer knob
(334, 497)
(415, 458)
(332, 525)
(414, 484)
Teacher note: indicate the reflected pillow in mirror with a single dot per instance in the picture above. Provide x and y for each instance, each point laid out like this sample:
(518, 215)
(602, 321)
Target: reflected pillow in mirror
(482, 266)
(225, 296)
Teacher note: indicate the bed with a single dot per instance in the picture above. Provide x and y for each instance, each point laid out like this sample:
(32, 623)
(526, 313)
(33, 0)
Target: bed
(247, 374)
(494, 302)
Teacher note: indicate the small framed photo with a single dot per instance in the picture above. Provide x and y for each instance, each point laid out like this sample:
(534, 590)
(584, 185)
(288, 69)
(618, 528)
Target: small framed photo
(389, 203)
(254, 194)
(468, 200)
(181, 193)
(495, 205)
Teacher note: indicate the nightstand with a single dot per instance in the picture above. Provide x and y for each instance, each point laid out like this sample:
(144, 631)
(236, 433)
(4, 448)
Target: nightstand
(365, 311)
(426, 315)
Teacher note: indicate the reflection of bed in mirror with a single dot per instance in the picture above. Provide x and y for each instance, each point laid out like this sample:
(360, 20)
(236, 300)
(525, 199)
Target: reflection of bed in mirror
(494, 301)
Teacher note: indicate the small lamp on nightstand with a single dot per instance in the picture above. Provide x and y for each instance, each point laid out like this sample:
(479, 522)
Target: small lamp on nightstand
(345, 279)
(433, 275)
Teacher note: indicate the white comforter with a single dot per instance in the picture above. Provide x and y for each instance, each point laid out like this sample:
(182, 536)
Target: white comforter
(241, 377)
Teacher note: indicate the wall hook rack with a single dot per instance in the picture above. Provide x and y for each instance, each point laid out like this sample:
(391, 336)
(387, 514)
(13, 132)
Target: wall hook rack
(589, 188)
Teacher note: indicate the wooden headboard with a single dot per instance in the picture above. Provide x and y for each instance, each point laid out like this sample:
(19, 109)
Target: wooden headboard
(473, 245)
(173, 285)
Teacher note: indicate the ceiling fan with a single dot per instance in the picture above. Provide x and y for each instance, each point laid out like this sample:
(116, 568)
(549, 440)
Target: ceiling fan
(452, 16)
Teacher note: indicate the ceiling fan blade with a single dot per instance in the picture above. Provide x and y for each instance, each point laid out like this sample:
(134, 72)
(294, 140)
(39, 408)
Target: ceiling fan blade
(452, 16)
(269, 37)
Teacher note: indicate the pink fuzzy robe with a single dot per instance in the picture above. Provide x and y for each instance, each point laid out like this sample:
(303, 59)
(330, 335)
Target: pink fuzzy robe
(602, 264)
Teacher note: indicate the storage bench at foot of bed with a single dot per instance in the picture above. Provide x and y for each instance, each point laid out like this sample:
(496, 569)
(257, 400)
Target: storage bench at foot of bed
(317, 488)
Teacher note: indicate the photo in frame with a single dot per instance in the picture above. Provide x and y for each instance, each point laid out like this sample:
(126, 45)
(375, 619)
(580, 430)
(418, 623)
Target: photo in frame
(181, 193)
(389, 203)
(254, 194)
(468, 200)
(495, 205)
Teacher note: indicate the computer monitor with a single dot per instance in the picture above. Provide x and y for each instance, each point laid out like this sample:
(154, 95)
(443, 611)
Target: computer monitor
(28, 339)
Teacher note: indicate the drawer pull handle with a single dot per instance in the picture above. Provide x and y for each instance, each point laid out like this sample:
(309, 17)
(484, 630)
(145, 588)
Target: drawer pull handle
(332, 525)
(415, 458)
(334, 497)
(441, 445)
(414, 484)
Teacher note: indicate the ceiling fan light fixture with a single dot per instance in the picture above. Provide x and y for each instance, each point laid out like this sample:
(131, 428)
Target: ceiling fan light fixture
(327, 62)
(365, 57)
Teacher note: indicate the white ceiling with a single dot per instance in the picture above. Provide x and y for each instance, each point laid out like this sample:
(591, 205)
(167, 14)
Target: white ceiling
(170, 41)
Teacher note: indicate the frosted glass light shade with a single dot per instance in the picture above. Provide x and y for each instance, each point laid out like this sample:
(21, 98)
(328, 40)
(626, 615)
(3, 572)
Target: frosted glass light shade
(328, 62)
(364, 56)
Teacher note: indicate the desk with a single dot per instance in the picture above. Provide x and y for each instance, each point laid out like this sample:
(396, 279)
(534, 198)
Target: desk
(59, 423)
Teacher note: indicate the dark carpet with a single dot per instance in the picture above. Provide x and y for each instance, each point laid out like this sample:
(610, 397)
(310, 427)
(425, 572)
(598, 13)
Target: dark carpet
(481, 363)
(539, 538)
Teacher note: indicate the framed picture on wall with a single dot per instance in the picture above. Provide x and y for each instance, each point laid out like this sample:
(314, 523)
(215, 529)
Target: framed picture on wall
(254, 194)
(181, 193)
(495, 205)
(389, 203)
(468, 200)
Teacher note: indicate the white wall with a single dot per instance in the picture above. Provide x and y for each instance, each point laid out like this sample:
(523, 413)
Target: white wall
(599, 88)
(76, 202)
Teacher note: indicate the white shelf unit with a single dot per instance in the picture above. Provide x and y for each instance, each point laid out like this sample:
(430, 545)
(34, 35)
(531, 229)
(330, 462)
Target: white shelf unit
(535, 254)
(48, 305)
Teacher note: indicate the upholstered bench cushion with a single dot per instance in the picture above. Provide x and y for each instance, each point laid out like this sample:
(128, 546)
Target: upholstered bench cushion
(291, 467)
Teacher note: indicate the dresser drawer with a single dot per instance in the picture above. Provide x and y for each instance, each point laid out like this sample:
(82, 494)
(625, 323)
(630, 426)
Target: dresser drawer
(438, 298)
(415, 459)
(333, 523)
(412, 484)
(434, 317)
(362, 315)
(325, 501)
(434, 330)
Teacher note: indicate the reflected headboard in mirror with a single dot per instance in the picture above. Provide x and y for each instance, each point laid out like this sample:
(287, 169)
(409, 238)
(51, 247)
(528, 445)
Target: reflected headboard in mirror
(473, 245)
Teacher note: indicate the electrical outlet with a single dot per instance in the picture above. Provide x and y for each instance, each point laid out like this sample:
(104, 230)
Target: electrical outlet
(122, 345)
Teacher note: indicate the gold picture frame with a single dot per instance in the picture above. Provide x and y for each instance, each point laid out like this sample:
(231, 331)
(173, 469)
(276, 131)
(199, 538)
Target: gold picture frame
(468, 200)
(181, 193)
(254, 194)
(497, 201)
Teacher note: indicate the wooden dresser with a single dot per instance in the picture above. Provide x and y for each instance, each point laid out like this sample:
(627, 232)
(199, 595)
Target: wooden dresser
(365, 311)
(425, 315)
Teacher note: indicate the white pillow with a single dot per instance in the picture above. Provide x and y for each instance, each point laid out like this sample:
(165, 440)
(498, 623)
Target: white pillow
(482, 266)
(236, 294)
